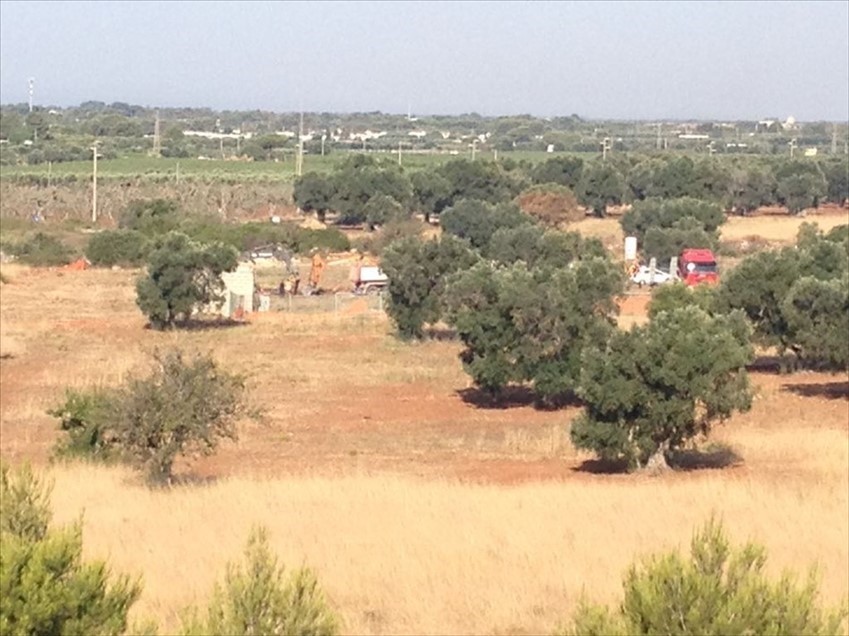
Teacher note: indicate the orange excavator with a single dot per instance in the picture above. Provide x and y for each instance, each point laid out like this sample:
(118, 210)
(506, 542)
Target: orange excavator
(291, 284)
(317, 265)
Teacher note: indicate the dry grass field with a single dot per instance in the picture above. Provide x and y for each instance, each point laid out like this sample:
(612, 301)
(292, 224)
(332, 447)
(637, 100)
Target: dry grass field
(422, 510)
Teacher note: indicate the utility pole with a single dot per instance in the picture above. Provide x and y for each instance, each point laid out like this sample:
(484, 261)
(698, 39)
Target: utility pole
(834, 139)
(659, 141)
(605, 148)
(792, 144)
(31, 88)
(94, 183)
(323, 139)
(474, 147)
(399, 153)
(299, 160)
(157, 142)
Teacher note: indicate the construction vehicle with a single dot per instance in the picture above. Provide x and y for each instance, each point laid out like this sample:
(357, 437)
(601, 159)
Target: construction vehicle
(697, 266)
(317, 266)
(291, 283)
(367, 279)
(291, 271)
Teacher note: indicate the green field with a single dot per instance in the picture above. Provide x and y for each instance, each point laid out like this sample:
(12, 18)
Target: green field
(143, 165)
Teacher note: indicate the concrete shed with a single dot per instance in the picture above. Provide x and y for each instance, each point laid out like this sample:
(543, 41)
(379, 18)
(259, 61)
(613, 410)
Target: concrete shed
(239, 290)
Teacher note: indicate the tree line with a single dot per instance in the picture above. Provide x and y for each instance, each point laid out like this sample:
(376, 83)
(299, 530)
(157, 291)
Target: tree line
(366, 190)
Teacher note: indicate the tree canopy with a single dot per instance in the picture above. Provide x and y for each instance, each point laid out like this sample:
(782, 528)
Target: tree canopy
(417, 272)
(529, 325)
(181, 276)
(651, 390)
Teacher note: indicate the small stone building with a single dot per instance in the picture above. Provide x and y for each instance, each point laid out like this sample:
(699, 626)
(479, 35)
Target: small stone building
(239, 291)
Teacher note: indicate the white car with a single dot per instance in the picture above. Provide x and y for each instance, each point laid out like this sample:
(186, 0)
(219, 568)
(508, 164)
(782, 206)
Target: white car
(644, 277)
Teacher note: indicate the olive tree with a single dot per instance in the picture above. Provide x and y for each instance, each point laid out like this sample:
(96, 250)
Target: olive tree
(817, 314)
(314, 192)
(417, 271)
(476, 220)
(521, 324)
(181, 276)
(651, 390)
(761, 285)
(601, 185)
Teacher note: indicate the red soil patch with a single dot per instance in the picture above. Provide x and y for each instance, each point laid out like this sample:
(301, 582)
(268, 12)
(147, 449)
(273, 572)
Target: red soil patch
(634, 304)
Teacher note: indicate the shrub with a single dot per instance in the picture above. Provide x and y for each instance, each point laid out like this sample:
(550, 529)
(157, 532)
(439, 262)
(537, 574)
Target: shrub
(248, 236)
(258, 599)
(42, 250)
(331, 239)
(678, 296)
(719, 589)
(181, 276)
(117, 247)
(651, 390)
(393, 231)
(550, 204)
(536, 246)
(184, 407)
(45, 588)
(85, 417)
(151, 218)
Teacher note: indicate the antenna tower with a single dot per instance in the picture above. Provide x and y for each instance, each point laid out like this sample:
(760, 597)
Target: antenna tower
(31, 89)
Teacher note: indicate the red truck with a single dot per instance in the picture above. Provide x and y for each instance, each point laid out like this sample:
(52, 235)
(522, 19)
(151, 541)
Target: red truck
(696, 266)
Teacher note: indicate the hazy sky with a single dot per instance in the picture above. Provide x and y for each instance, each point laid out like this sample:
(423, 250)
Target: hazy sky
(623, 60)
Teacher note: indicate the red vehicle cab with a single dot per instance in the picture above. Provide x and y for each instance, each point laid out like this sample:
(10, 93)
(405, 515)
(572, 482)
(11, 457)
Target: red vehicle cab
(698, 266)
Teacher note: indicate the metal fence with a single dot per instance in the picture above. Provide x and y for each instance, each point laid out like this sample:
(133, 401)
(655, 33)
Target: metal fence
(340, 303)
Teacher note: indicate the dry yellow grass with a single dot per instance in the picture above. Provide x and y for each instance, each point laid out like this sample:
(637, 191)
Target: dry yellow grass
(779, 228)
(399, 555)
(774, 228)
